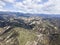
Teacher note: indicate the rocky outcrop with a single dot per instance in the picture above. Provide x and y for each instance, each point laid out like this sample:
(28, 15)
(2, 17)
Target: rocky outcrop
(48, 31)
(8, 36)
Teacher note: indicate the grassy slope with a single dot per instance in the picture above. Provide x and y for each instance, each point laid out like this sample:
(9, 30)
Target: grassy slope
(25, 35)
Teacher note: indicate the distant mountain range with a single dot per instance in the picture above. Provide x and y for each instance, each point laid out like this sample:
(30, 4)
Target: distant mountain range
(28, 14)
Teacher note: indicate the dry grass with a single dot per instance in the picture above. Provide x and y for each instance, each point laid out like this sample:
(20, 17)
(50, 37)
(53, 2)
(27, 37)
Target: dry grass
(25, 35)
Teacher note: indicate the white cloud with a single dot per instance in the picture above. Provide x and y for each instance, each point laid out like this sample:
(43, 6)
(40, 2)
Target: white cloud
(9, 1)
(54, 8)
(2, 4)
(33, 6)
(28, 6)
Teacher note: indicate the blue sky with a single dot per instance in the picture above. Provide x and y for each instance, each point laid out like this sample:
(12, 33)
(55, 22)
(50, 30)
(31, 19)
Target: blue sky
(31, 6)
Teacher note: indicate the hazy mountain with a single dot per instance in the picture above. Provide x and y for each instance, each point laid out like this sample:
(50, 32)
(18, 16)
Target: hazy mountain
(29, 15)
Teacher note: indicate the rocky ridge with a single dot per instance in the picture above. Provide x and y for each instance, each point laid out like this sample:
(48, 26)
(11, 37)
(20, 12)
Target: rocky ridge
(48, 32)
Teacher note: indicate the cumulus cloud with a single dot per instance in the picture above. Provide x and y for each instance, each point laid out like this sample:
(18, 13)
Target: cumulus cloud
(55, 8)
(2, 4)
(10, 1)
(38, 6)
(28, 6)
(32, 6)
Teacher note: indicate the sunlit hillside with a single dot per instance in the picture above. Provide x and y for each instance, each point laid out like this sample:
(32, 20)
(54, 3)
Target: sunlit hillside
(29, 30)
